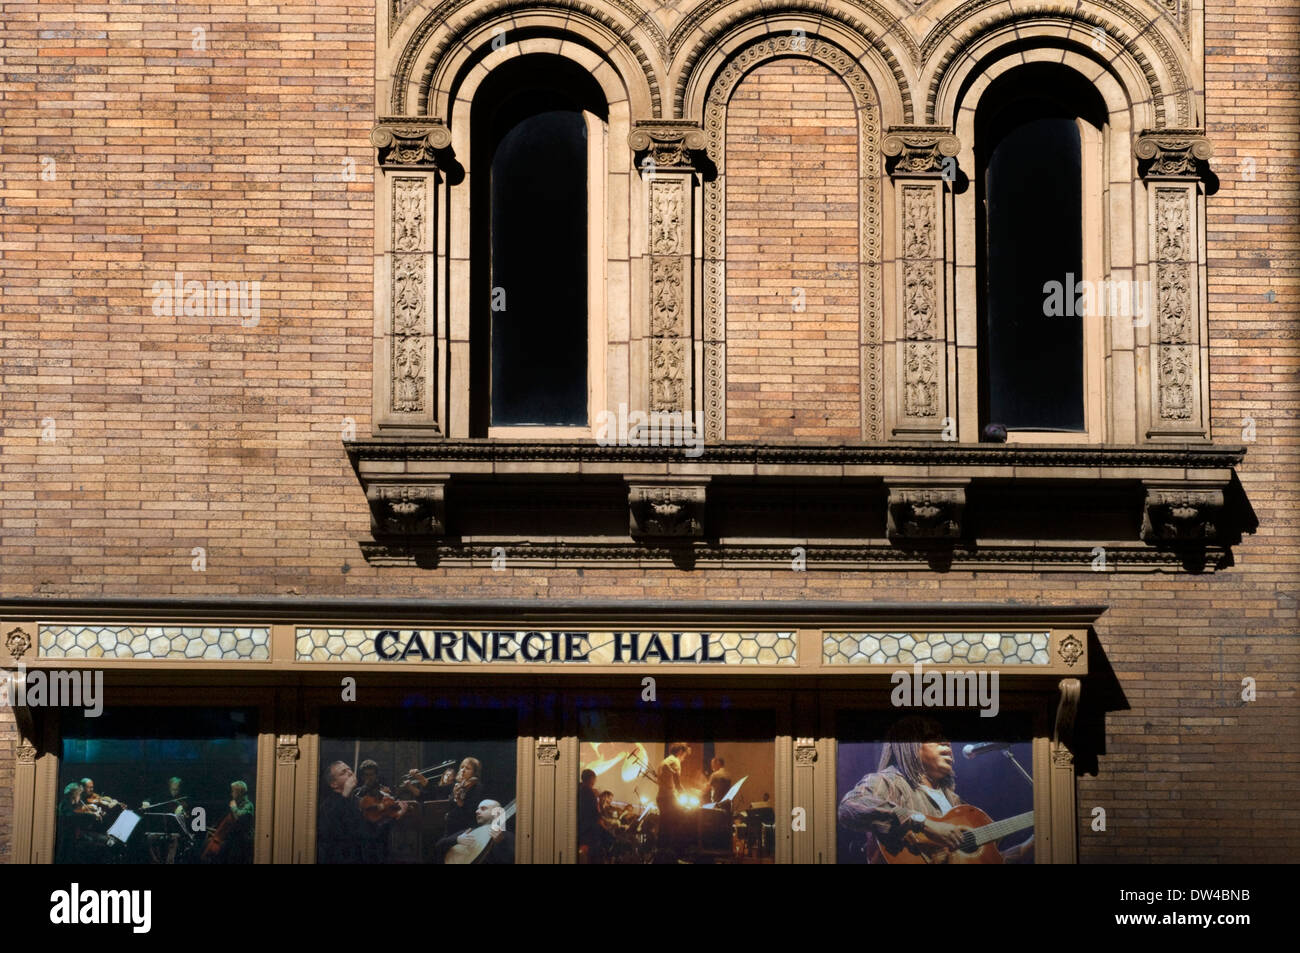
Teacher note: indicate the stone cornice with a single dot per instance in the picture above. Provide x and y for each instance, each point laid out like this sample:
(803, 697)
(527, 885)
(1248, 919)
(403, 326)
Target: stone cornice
(487, 453)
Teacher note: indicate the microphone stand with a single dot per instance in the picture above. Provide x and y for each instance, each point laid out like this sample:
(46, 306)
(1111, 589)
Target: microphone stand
(1012, 758)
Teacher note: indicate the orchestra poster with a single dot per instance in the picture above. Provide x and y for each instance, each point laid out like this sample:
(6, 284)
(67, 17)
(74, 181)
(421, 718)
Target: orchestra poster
(932, 792)
(676, 788)
(416, 787)
(161, 785)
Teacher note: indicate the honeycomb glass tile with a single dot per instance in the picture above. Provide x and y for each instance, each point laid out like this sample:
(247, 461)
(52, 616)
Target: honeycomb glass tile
(887, 648)
(153, 641)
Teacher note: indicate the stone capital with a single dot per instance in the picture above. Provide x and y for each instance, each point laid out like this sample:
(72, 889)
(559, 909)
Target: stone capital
(409, 142)
(1173, 153)
(919, 150)
(667, 143)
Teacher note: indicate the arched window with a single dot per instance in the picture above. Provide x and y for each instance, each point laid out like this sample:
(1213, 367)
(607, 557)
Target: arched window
(1039, 177)
(538, 164)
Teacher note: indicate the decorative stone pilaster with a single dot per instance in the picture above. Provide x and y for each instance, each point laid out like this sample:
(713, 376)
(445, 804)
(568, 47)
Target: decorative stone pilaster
(667, 154)
(926, 513)
(1181, 515)
(1171, 162)
(398, 509)
(803, 827)
(672, 510)
(408, 153)
(922, 163)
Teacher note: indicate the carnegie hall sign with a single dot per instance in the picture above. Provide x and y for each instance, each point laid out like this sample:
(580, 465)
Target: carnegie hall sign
(567, 647)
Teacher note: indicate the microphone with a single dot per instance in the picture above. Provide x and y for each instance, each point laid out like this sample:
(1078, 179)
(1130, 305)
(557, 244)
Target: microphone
(986, 747)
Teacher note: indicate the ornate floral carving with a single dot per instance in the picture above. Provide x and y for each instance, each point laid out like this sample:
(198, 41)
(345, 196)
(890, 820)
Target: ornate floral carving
(805, 752)
(17, 642)
(1173, 152)
(410, 142)
(666, 510)
(666, 365)
(665, 296)
(407, 510)
(1061, 756)
(25, 752)
(1175, 371)
(286, 754)
(919, 150)
(666, 217)
(409, 296)
(667, 143)
(1180, 515)
(1070, 650)
(925, 512)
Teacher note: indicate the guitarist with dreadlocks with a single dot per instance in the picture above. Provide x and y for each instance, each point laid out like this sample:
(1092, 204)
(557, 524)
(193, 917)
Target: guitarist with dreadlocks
(909, 808)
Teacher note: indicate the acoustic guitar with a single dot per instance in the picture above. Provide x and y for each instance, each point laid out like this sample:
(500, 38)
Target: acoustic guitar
(978, 846)
(482, 837)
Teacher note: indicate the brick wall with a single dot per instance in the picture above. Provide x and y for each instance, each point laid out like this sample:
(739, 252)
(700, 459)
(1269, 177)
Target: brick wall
(174, 433)
(793, 363)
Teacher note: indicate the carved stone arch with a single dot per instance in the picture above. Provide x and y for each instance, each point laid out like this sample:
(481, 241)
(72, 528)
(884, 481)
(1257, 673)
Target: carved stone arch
(1132, 48)
(722, 82)
(715, 29)
(440, 49)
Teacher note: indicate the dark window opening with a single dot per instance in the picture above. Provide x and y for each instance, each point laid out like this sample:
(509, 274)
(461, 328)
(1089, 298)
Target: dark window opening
(529, 339)
(1030, 204)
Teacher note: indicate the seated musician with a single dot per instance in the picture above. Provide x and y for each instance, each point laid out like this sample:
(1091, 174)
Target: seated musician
(719, 782)
(911, 789)
(79, 840)
(339, 824)
(502, 847)
(237, 847)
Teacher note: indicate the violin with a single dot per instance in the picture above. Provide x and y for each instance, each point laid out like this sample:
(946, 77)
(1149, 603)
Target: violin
(415, 781)
(381, 806)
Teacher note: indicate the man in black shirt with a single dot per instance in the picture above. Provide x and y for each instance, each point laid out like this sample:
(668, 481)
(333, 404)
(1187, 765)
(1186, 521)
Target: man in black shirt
(340, 828)
(501, 845)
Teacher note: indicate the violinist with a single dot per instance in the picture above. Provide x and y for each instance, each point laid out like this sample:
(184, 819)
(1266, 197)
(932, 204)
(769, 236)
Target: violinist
(100, 804)
(465, 796)
(79, 839)
(339, 826)
(378, 807)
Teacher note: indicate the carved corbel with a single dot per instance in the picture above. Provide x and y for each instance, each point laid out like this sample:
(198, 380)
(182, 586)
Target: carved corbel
(407, 510)
(1067, 708)
(548, 750)
(1178, 153)
(805, 752)
(667, 144)
(409, 142)
(666, 509)
(921, 151)
(1173, 515)
(925, 513)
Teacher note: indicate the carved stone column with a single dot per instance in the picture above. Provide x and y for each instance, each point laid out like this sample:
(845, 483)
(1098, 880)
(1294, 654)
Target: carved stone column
(922, 167)
(805, 841)
(667, 155)
(1177, 355)
(408, 360)
(1063, 824)
(287, 754)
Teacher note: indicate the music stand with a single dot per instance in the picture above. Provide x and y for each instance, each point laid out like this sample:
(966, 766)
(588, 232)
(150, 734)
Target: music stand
(123, 827)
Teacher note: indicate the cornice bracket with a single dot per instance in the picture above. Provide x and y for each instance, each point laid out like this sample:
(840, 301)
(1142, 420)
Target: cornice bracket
(926, 512)
(666, 509)
(408, 509)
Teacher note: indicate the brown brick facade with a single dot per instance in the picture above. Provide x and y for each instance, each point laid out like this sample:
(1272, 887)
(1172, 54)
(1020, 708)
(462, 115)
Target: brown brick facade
(792, 261)
(130, 438)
